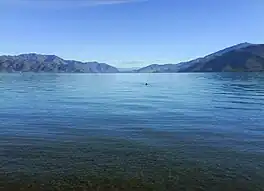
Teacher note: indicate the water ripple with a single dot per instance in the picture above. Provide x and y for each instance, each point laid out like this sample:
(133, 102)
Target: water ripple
(196, 116)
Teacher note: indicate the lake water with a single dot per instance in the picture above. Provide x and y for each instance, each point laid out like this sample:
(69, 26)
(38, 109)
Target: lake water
(182, 131)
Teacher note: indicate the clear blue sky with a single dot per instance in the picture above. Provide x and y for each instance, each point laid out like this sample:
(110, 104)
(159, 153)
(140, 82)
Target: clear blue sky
(128, 33)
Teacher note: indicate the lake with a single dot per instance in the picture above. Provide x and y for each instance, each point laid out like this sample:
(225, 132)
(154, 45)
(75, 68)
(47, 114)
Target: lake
(100, 131)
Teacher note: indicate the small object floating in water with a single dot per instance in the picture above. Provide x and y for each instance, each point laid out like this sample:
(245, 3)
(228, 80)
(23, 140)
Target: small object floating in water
(146, 84)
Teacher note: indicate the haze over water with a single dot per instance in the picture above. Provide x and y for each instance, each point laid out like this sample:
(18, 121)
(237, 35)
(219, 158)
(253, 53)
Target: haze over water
(205, 129)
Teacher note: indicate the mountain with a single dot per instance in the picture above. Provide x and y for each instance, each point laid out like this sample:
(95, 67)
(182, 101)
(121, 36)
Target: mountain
(242, 57)
(50, 63)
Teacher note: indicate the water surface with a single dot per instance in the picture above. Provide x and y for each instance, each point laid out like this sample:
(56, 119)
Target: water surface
(205, 129)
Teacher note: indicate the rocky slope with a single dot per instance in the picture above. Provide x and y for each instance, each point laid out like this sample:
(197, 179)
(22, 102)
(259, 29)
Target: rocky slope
(50, 63)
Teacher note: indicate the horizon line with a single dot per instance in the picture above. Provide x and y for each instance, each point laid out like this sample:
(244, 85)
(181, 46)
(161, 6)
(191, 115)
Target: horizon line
(61, 57)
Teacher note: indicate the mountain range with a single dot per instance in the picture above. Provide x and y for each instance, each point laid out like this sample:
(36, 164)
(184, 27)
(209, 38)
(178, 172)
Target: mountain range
(50, 63)
(244, 57)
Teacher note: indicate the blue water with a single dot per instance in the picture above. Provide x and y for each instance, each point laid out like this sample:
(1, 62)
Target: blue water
(86, 120)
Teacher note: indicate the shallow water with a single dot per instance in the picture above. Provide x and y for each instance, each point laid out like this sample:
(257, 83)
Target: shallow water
(112, 123)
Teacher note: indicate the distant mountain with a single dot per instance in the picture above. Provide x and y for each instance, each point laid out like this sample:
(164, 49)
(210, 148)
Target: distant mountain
(242, 57)
(157, 68)
(50, 63)
(129, 70)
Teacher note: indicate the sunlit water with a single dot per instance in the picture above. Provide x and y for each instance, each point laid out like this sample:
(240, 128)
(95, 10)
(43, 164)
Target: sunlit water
(95, 123)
